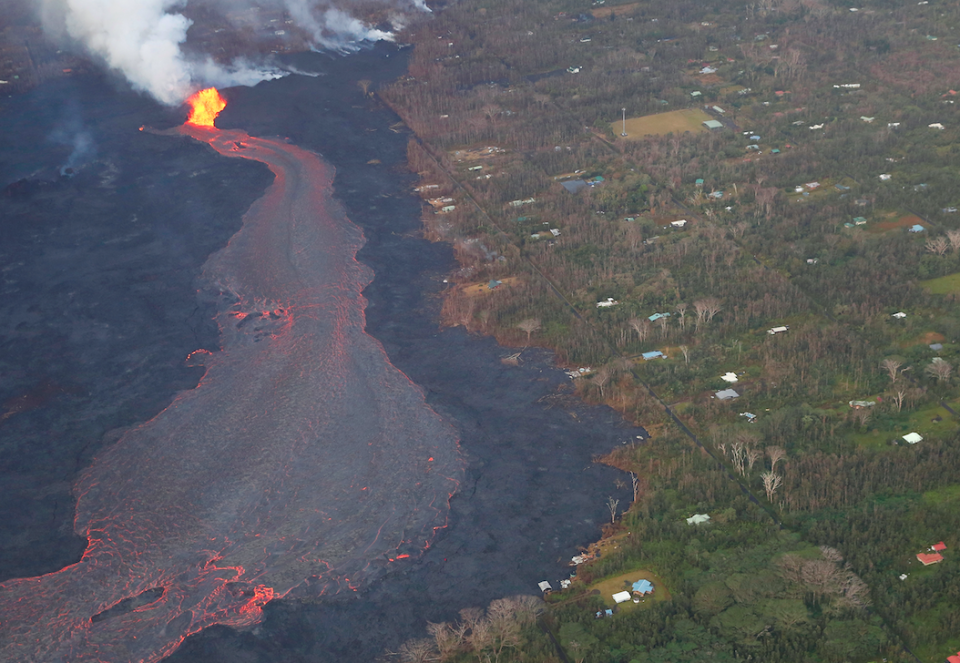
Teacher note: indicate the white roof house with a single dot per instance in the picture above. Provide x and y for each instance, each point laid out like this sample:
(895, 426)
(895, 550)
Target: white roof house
(697, 519)
(727, 394)
(729, 377)
(899, 315)
(544, 586)
(679, 223)
(609, 302)
(778, 330)
(936, 125)
(913, 438)
(622, 597)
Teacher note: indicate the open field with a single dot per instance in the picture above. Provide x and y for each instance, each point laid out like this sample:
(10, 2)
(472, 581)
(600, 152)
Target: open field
(945, 285)
(930, 422)
(611, 586)
(893, 222)
(618, 10)
(679, 121)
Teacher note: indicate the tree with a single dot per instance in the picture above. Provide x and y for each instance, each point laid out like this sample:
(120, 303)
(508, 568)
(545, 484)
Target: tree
(939, 369)
(641, 327)
(891, 366)
(365, 86)
(417, 651)
(771, 482)
(753, 455)
(602, 377)
(776, 454)
(529, 325)
(612, 505)
(938, 245)
(954, 237)
(739, 455)
(682, 315)
(686, 354)
(898, 397)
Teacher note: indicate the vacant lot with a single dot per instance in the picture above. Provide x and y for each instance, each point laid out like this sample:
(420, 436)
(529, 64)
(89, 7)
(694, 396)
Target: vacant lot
(892, 222)
(945, 285)
(611, 586)
(690, 119)
(619, 10)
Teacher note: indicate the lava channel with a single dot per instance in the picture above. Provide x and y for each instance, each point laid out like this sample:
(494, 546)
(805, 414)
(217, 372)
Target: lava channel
(303, 462)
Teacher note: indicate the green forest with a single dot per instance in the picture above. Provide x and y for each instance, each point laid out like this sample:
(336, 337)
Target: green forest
(775, 299)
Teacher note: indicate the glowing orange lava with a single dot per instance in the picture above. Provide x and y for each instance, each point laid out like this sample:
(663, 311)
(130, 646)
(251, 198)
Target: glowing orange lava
(205, 106)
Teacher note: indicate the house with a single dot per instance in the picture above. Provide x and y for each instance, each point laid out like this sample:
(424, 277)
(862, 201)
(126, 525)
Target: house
(939, 547)
(936, 346)
(916, 228)
(545, 587)
(936, 125)
(715, 194)
(621, 597)
(812, 261)
(555, 232)
(698, 519)
(653, 354)
(755, 137)
(954, 659)
(657, 316)
(885, 176)
(713, 124)
(778, 330)
(727, 395)
(518, 203)
(574, 186)
(929, 558)
(565, 584)
(610, 301)
(594, 181)
(679, 223)
(493, 285)
(695, 93)
(812, 185)
(642, 587)
(446, 209)
(729, 377)
(913, 438)
(774, 151)
(859, 405)
(866, 119)
(899, 315)
(699, 181)
(573, 70)
(751, 417)
(859, 220)
(717, 109)
(892, 125)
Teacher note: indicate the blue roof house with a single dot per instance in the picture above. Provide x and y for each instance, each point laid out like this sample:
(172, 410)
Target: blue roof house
(643, 587)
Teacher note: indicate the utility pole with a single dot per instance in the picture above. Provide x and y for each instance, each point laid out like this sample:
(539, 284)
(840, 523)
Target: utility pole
(624, 132)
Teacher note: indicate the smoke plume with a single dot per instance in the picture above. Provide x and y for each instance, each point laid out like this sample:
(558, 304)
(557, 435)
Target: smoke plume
(143, 40)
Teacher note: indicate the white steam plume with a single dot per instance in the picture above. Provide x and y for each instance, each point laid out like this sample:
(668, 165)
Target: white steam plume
(142, 39)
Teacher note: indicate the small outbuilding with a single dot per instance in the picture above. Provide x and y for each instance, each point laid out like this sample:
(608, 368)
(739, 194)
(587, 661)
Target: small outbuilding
(713, 125)
(727, 395)
(939, 547)
(913, 438)
(729, 377)
(698, 519)
(545, 587)
(653, 354)
(621, 597)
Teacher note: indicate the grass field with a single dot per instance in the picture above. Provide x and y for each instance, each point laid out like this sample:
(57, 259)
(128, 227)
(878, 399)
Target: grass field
(945, 285)
(679, 121)
(892, 222)
(611, 586)
(921, 421)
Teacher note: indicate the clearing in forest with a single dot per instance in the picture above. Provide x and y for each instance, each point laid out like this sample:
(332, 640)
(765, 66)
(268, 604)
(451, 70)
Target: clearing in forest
(945, 285)
(661, 124)
(611, 586)
(893, 222)
(617, 10)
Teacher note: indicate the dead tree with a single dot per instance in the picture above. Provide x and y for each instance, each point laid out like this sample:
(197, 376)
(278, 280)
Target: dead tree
(636, 486)
(954, 237)
(686, 354)
(776, 454)
(642, 327)
(939, 369)
(938, 245)
(529, 325)
(738, 455)
(898, 397)
(612, 505)
(771, 482)
(892, 367)
(753, 455)
(682, 315)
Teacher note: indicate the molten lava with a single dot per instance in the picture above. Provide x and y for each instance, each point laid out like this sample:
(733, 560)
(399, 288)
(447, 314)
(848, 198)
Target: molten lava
(205, 106)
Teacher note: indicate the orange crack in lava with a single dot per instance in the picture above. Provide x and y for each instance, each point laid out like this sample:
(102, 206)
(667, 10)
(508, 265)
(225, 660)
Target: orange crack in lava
(205, 105)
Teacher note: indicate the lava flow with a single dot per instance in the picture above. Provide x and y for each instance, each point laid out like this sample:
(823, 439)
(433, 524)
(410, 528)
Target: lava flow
(205, 105)
(304, 462)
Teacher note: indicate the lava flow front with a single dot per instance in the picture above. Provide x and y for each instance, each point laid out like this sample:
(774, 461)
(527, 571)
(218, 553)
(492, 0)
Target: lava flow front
(304, 461)
(205, 105)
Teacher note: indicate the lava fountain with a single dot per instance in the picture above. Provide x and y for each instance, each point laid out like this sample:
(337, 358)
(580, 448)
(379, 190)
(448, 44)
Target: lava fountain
(205, 105)
(303, 462)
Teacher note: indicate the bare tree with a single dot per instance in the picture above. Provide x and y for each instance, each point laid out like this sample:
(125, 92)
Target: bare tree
(602, 377)
(831, 554)
(612, 505)
(642, 327)
(663, 326)
(753, 455)
(529, 325)
(954, 237)
(898, 397)
(418, 651)
(776, 454)
(738, 455)
(938, 245)
(771, 482)
(682, 315)
(365, 86)
(939, 369)
(686, 354)
(713, 307)
(700, 307)
(636, 485)
(892, 367)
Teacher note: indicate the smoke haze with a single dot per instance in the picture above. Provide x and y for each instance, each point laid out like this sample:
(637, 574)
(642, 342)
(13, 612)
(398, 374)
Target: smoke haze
(143, 40)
